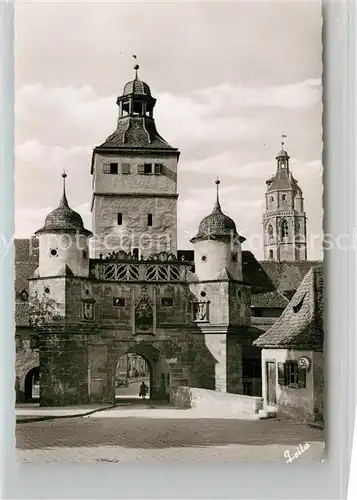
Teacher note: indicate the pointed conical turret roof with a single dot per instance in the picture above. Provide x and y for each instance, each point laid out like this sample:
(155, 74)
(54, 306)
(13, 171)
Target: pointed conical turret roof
(217, 224)
(63, 218)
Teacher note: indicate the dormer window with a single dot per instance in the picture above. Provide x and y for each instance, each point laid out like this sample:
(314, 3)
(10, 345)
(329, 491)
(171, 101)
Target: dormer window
(24, 296)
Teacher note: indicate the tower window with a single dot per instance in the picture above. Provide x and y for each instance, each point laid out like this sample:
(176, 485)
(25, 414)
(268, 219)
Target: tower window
(272, 198)
(283, 197)
(113, 168)
(53, 252)
(270, 232)
(136, 253)
(147, 168)
(149, 219)
(284, 229)
(234, 257)
(271, 254)
(120, 219)
(204, 258)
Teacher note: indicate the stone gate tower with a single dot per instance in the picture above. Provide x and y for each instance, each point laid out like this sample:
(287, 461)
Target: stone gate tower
(134, 205)
(284, 219)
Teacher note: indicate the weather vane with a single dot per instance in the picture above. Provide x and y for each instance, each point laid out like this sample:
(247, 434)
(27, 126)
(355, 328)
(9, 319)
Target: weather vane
(283, 136)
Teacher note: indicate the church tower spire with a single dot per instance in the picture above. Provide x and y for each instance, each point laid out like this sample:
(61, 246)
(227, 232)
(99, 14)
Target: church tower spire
(284, 219)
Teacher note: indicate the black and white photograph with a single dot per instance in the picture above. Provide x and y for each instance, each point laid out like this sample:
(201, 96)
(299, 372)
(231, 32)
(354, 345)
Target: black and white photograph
(169, 276)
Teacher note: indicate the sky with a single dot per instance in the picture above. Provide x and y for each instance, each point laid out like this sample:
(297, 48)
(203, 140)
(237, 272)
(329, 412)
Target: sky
(229, 79)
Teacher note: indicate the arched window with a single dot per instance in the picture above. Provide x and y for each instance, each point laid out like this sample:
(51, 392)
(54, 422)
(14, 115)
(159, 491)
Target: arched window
(284, 229)
(270, 232)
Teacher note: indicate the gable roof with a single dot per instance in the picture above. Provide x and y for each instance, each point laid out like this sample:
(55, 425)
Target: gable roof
(301, 323)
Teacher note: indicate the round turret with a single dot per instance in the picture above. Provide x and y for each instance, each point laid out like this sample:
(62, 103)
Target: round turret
(218, 253)
(63, 242)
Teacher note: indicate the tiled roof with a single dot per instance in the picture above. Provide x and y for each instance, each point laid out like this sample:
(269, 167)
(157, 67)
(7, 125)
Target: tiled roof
(216, 224)
(22, 314)
(301, 323)
(63, 218)
(287, 276)
(282, 180)
(136, 86)
(135, 132)
(269, 300)
(255, 275)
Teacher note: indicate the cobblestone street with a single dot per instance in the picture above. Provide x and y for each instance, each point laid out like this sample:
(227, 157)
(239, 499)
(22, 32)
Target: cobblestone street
(144, 439)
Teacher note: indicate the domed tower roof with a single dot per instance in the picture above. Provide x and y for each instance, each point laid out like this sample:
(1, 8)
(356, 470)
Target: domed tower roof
(136, 86)
(216, 225)
(63, 219)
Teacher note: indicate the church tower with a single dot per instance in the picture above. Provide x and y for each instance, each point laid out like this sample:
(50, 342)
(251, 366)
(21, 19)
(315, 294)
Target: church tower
(134, 205)
(284, 219)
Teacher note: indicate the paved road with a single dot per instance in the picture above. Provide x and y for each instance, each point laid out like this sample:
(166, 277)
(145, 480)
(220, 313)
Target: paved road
(127, 440)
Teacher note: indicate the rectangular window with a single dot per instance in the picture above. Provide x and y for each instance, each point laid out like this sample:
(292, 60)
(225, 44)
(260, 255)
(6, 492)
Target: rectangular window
(159, 168)
(136, 253)
(113, 168)
(147, 168)
(290, 375)
(118, 301)
(141, 169)
(149, 219)
(34, 342)
(167, 302)
(125, 168)
(120, 219)
(18, 342)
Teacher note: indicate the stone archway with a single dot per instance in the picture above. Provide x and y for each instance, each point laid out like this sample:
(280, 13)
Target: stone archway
(156, 362)
(31, 379)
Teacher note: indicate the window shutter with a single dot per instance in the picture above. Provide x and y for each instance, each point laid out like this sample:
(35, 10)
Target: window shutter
(158, 168)
(302, 378)
(281, 374)
(125, 168)
(141, 169)
(106, 168)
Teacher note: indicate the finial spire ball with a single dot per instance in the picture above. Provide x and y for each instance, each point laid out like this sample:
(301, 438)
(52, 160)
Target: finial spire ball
(136, 67)
(64, 175)
(217, 181)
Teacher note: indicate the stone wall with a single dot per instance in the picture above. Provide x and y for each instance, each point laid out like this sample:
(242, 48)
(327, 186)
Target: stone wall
(319, 385)
(215, 403)
(64, 369)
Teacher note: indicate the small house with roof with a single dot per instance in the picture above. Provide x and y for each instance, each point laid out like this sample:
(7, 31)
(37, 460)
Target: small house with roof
(292, 354)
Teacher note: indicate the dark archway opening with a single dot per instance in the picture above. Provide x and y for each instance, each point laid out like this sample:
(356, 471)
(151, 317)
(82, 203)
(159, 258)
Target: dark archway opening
(133, 378)
(32, 385)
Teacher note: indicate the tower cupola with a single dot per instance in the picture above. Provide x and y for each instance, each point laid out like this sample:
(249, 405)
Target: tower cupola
(63, 242)
(218, 252)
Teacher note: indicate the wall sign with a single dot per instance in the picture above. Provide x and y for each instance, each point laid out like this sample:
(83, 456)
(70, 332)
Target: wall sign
(304, 363)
